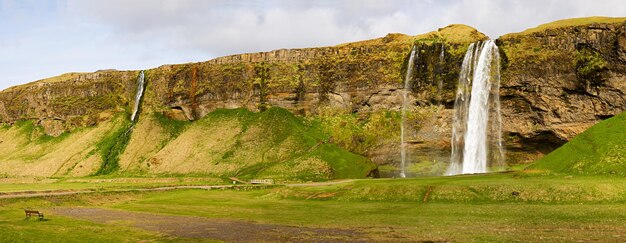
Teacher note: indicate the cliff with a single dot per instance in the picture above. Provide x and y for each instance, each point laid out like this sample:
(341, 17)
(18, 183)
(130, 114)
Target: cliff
(68, 101)
(361, 76)
(560, 79)
(557, 80)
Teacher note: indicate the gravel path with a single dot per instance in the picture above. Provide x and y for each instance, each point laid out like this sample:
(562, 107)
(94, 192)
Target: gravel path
(27, 194)
(220, 229)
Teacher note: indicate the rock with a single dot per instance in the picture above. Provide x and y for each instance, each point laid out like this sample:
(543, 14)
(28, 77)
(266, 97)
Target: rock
(543, 94)
(52, 127)
(176, 114)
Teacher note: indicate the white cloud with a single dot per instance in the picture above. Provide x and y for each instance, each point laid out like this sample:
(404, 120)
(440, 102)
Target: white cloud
(39, 40)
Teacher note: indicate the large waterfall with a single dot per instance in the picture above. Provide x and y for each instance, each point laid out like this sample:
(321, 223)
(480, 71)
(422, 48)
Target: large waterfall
(138, 95)
(476, 132)
(405, 104)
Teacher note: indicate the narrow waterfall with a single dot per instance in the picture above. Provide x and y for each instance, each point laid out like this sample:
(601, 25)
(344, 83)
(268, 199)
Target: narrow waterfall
(405, 104)
(140, 88)
(474, 136)
(440, 79)
(111, 159)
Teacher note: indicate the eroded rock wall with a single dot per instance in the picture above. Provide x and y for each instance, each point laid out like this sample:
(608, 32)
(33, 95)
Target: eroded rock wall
(558, 82)
(68, 101)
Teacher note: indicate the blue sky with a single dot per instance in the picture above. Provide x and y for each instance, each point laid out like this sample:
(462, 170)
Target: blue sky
(44, 38)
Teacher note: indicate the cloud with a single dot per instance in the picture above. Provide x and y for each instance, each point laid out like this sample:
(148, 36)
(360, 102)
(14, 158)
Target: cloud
(499, 17)
(48, 37)
(223, 27)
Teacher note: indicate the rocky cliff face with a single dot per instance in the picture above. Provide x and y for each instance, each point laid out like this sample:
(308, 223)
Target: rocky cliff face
(357, 77)
(68, 101)
(556, 82)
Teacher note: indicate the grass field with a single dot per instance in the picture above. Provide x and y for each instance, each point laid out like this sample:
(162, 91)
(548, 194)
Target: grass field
(518, 206)
(577, 193)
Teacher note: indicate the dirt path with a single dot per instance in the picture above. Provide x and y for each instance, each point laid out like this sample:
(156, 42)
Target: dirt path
(220, 229)
(27, 194)
(327, 183)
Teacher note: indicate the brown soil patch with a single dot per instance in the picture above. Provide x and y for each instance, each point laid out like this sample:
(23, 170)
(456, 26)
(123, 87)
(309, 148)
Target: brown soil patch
(220, 229)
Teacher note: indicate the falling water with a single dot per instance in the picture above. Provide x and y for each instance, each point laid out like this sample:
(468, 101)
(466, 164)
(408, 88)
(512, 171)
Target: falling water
(440, 81)
(471, 124)
(405, 104)
(140, 88)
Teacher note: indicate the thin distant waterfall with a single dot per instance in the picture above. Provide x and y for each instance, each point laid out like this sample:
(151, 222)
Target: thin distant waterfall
(440, 80)
(405, 104)
(473, 134)
(138, 95)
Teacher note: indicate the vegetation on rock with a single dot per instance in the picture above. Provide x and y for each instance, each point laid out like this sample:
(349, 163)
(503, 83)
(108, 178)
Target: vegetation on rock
(589, 66)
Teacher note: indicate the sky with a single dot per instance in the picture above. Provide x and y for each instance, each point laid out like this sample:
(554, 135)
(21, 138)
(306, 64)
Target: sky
(45, 38)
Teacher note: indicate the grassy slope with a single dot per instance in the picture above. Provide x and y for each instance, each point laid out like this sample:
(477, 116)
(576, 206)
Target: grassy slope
(568, 23)
(599, 150)
(271, 144)
(454, 33)
(26, 151)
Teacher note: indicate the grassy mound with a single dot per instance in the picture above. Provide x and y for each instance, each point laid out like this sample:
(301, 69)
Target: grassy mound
(569, 23)
(271, 144)
(25, 150)
(599, 150)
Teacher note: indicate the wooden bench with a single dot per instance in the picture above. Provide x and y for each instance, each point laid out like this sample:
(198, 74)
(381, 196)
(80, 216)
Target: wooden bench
(30, 213)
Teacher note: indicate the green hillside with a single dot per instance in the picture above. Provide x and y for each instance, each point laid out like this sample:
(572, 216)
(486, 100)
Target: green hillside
(270, 144)
(599, 150)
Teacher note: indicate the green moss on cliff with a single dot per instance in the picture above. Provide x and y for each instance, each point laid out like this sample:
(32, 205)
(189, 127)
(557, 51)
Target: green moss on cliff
(589, 66)
(362, 132)
(71, 104)
(359, 132)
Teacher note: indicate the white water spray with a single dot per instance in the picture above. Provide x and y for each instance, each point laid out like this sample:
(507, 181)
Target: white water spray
(405, 104)
(140, 88)
(472, 111)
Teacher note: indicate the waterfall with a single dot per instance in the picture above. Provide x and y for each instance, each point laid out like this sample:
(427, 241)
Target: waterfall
(440, 80)
(111, 159)
(477, 99)
(138, 96)
(405, 104)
